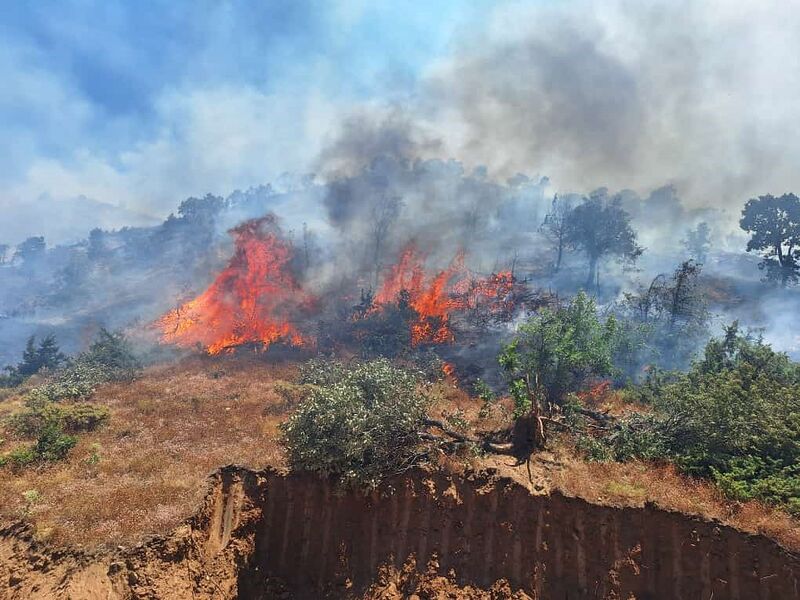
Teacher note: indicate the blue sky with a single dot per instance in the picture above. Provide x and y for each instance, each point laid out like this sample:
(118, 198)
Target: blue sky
(94, 86)
(139, 104)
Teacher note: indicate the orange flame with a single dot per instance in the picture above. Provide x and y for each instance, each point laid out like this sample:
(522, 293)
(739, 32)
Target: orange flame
(436, 297)
(250, 301)
(449, 370)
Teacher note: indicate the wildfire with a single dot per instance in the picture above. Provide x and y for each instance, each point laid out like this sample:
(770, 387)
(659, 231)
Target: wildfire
(449, 370)
(250, 302)
(436, 297)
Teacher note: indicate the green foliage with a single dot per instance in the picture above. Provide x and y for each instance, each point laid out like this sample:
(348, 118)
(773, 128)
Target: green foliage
(600, 227)
(734, 418)
(109, 358)
(557, 350)
(35, 358)
(51, 445)
(359, 424)
(50, 408)
(83, 416)
(774, 226)
(322, 372)
(113, 355)
(483, 391)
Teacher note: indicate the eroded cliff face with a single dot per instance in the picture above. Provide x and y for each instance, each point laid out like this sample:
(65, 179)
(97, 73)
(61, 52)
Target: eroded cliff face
(264, 535)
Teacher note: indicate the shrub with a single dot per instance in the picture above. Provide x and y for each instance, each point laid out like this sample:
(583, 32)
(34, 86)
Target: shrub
(83, 417)
(31, 421)
(734, 418)
(51, 445)
(361, 427)
(320, 371)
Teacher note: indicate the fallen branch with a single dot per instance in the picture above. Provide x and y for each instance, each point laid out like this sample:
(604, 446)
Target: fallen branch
(600, 417)
(462, 438)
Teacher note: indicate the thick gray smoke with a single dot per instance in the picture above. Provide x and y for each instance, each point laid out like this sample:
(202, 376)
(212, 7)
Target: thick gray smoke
(630, 94)
(680, 109)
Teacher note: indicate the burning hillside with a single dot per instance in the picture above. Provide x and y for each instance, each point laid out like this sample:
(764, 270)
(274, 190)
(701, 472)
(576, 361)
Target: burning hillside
(257, 299)
(435, 297)
(252, 301)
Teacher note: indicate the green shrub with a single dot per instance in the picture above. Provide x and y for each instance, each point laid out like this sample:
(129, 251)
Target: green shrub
(51, 445)
(320, 371)
(733, 418)
(83, 417)
(31, 421)
(361, 426)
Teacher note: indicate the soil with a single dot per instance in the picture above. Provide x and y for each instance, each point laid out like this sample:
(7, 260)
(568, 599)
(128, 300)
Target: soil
(263, 534)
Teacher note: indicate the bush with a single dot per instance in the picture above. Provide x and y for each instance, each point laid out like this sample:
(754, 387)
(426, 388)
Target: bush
(361, 426)
(734, 418)
(83, 417)
(320, 371)
(51, 445)
(30, 422)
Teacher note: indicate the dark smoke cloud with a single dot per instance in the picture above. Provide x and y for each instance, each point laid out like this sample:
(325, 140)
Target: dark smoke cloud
(630, 95)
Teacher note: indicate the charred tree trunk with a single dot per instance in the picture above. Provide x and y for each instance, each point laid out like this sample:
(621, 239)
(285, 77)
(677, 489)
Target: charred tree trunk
(592, 278)
(560, 252)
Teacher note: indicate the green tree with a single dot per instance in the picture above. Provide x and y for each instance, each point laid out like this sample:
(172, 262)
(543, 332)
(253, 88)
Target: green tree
(774, 228)
(44, 356)
(600, 227)
(552, 354)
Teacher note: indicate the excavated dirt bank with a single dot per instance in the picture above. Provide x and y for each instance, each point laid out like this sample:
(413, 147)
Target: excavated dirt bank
(265, 535)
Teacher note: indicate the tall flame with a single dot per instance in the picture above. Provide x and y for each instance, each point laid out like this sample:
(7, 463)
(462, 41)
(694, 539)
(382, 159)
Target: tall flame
(435, 297)
(250, 301)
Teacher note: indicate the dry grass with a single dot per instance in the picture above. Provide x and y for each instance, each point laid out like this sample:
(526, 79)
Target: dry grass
(146, 470)
(634, 483)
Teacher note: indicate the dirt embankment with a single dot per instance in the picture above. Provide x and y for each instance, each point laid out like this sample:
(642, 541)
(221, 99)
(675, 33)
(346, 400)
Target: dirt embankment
(264, 535)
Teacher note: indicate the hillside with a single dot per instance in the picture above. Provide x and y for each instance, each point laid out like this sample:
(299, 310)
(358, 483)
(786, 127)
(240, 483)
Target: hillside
(145, 473)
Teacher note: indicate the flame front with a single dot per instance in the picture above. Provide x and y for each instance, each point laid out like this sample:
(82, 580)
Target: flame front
(434, 298)
(250, 302)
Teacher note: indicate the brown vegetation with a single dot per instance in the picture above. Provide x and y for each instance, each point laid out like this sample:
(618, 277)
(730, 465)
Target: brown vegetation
(145, 470)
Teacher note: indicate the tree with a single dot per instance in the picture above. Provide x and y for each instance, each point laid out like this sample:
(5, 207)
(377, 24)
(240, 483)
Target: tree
(601, 227)
(46, 355)
(774, 228)
(383, 213)
(698, 241)
(4, 253)
(555, 226)
(552, 354)
(31, 250)
(673, 316)
(97, 249)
